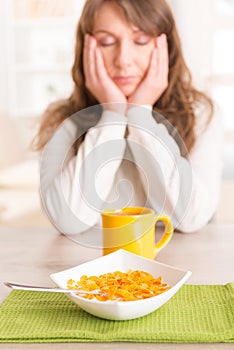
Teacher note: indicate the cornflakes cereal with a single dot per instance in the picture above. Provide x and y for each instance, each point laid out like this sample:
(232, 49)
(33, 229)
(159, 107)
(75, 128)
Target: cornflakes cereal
(123, 286)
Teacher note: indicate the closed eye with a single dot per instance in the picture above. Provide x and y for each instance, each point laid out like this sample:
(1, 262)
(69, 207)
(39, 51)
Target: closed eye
(106, 40)
(143, 39)
(105, 44)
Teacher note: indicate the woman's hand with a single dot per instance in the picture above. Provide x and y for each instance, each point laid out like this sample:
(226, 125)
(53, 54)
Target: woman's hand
(97, 79)
(156, 78)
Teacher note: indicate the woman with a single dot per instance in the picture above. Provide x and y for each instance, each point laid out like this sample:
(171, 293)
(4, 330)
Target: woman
(128, 58)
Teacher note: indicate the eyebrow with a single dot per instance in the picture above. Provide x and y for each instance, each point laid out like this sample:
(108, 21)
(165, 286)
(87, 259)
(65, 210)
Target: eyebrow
(107, 32)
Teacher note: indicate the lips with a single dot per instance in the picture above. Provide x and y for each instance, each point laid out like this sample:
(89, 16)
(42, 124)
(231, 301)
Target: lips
(124, 79)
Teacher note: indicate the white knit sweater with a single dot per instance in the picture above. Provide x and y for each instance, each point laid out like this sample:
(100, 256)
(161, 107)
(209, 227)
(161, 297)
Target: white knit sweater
(130, 161)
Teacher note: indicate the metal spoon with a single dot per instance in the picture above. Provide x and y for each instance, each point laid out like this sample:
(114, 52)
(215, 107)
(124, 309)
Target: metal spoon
(47, 289)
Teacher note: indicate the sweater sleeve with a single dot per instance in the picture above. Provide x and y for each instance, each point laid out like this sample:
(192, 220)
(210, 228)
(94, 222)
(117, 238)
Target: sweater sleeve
(186, 189)
(73, 195)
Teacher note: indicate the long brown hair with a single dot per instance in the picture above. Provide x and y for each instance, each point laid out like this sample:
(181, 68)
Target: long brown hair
(177, 104)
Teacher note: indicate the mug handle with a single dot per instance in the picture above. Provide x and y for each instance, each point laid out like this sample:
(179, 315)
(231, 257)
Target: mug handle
(168, 232)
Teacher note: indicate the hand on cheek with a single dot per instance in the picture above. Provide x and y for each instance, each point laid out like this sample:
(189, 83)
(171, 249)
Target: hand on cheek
(97, 80)
(155, 81)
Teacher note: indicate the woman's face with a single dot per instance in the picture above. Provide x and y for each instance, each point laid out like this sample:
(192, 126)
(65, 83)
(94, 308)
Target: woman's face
(126, 50)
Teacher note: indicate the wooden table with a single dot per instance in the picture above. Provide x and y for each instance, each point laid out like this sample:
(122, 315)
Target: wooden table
(30, 255)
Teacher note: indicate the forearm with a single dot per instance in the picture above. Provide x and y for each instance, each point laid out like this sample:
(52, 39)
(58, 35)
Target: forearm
(157, 154)
(79, 191)
(176, 186)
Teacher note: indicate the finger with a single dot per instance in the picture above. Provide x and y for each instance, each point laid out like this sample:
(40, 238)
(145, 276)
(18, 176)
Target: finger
(163, 49)
(101, 69)
(153, 66)
(85, 53)
(163, 58)
(89, 59)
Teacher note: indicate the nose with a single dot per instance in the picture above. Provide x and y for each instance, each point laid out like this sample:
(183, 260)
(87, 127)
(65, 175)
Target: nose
(123, 55)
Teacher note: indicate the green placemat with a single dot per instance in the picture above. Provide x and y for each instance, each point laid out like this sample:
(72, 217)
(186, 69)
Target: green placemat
(197, 313)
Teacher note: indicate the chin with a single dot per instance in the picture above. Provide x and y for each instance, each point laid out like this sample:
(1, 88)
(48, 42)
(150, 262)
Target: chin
(128, 91)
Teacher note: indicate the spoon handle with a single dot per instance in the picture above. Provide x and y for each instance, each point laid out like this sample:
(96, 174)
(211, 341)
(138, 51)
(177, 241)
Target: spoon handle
(47, 289)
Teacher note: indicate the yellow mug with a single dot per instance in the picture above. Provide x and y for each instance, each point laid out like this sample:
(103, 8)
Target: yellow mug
(133, 229)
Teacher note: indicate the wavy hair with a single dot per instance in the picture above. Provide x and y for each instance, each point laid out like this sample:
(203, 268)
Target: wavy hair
(177, 104)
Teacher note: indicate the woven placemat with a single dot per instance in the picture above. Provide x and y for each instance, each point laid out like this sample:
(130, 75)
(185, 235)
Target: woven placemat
(197, 313)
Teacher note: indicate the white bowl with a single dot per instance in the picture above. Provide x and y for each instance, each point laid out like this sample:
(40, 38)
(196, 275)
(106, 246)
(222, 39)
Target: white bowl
(123, 261)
